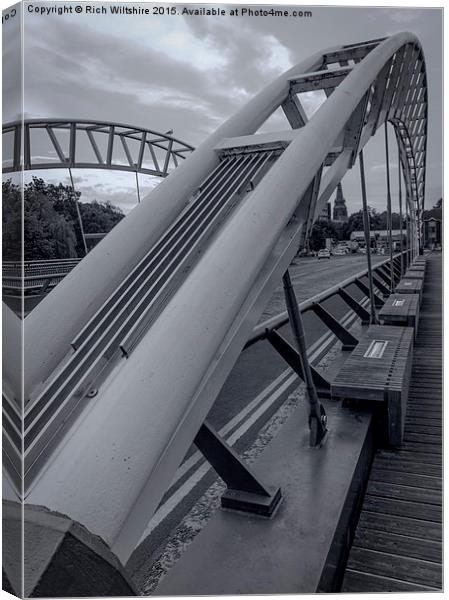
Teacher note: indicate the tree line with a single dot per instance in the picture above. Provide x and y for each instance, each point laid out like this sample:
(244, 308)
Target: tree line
(51, 227)
(378, 222)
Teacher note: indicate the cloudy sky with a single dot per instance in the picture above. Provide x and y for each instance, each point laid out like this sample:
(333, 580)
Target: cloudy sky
(190, 73)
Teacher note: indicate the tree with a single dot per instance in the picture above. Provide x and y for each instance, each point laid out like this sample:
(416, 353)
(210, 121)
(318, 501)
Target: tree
(11, 221)
(319, 233)
(100, 217)
(47, 233)
(51, 226)
(383, 220)
(436, 211)
(355, 222)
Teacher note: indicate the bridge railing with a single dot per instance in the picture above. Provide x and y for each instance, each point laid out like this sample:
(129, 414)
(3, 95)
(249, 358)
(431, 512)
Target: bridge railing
(268, 330)
(35, 276)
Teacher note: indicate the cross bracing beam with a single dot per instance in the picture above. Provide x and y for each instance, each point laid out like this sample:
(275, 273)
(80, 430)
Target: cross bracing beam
(170, 381)
(294, 111)
(278, 140)
(351, 52)
(320, 80)
(260, 141)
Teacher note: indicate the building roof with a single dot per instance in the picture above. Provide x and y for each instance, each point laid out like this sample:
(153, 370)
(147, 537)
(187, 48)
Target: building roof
(359, 235)
(383, 232)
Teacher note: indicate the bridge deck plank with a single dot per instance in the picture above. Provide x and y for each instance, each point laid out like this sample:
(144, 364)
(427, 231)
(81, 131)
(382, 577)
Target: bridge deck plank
(397, 545)
(411, 479)
(376, 583)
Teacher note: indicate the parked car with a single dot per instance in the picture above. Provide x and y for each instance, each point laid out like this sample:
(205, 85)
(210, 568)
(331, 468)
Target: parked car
(324, 253)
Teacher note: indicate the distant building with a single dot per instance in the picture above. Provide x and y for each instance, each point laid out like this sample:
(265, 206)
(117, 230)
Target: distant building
(383, 237)
(432, 232)
(380, 237)
(359, 236)
(340, 214)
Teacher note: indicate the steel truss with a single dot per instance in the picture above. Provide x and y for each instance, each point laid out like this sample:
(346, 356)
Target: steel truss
(86, 144)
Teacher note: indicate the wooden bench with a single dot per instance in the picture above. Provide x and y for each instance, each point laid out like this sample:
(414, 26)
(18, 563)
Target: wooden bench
(419, 261)
(410, 286)
(409, 274)
(401, 310)
(378, 370)
(418, 266)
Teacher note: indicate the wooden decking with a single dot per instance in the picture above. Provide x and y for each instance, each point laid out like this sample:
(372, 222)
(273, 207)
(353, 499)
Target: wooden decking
(398, 543)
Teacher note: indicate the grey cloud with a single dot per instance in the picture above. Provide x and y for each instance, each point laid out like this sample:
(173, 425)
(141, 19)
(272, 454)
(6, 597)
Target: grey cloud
(12, 70)
(87, 71)
(62, 54)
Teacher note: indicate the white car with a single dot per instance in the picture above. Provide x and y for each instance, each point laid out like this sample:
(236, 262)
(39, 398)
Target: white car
(324, 253)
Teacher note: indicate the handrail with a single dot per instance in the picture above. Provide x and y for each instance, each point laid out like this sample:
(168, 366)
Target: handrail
(261, 330)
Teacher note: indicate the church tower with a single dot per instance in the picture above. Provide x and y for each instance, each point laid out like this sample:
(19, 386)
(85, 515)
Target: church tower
(340, 213)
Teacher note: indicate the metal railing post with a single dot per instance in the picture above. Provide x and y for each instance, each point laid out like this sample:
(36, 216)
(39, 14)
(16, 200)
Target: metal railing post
(389, 214)
(137, 187)
(407, 226)
(400, 213)
(317, 414)
(78, 212)
(366, 227)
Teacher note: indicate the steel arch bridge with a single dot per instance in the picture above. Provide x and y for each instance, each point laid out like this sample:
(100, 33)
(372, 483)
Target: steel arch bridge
(45, 144)
(147, 328)
(88, 144)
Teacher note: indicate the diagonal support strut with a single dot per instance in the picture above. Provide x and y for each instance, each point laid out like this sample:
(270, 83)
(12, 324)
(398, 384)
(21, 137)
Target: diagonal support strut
(292, 358)
(344, 335)
(245, 491)
(355, 306)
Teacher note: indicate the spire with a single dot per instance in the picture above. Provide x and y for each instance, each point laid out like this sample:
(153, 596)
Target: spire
(339, 199)
(340, 211)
